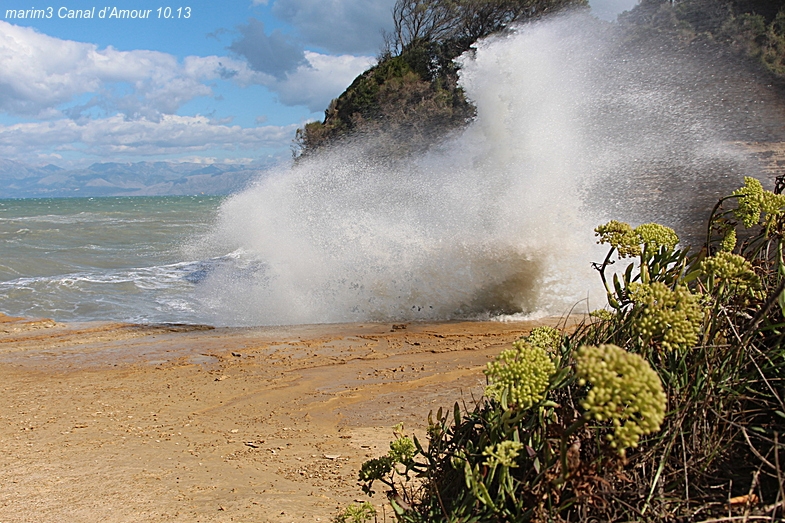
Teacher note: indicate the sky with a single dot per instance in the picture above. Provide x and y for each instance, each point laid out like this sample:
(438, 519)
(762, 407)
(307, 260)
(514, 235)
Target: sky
(202, 81)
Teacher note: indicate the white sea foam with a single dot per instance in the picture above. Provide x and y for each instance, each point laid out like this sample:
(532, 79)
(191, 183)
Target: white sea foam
(101, 294)
(496, 222)
(488, 223)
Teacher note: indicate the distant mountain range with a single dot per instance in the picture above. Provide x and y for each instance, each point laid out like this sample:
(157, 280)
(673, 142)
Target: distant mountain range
(18, 180)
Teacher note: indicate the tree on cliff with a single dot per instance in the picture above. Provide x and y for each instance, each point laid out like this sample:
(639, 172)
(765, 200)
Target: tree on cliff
(465, 21)
(412, 94)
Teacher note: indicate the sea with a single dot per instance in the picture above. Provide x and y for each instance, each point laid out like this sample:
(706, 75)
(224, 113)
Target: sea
(280, 253)
(90, 259)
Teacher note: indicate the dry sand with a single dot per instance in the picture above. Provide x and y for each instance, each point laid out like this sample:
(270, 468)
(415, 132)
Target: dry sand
(129, 423)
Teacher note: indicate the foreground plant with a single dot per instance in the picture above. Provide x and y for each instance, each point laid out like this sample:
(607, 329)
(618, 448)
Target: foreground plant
(356, 513)
(520, 376)
(646, 411)
(513, 457)
(625, 391)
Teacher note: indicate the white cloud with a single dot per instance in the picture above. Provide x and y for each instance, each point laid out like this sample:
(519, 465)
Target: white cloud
(339, 26)
(115, 135)
(106, 102)
(207, 160)
(40, 73)
(321, 80)
(313, 84)
(224, 67)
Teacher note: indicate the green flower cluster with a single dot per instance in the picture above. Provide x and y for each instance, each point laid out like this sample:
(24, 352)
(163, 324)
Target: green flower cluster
(402, 449)
(672, 316)
(624, 390)
(754, 200)
(503, 453)
(376, 468)
(733, 270)
(522, 374)
(544, 337)
(621, 237)
(601, 314)
(627, 241)
(729, 241)
(656, 235)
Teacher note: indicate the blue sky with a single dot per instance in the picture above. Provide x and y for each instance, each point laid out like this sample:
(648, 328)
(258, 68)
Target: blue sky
(215, 81)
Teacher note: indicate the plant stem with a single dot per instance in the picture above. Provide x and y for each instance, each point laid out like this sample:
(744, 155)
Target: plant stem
(577, 424)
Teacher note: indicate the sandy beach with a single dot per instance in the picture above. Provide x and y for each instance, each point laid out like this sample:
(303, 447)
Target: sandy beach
(113, 422)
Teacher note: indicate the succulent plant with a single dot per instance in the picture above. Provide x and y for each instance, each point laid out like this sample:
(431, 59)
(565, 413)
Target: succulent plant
(654, 235)
(620, 236)
(672, 317)
(544, 337)
(520, 374)
(754, 200)
(732, 270)
(503, 453)
(624, 391)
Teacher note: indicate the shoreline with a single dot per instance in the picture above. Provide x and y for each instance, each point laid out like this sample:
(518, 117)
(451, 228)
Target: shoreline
(115, 422)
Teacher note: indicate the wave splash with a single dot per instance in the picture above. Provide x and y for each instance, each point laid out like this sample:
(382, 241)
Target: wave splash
(496, 221)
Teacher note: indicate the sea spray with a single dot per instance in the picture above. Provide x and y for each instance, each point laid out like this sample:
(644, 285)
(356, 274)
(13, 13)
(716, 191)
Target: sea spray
(494, 222)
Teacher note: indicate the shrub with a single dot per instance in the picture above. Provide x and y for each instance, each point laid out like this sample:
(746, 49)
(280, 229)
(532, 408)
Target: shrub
(642, 411)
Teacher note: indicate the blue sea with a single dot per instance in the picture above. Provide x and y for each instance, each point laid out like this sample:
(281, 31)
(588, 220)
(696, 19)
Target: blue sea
(85, 259)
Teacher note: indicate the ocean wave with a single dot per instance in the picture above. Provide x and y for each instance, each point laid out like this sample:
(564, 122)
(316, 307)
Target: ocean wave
(141, 294)
(494, 222)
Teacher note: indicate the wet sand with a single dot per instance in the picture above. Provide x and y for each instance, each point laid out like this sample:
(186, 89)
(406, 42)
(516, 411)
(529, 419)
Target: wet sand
(126, 423)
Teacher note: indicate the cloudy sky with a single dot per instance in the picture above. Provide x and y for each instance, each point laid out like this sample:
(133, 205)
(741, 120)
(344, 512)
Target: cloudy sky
(202, 80)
